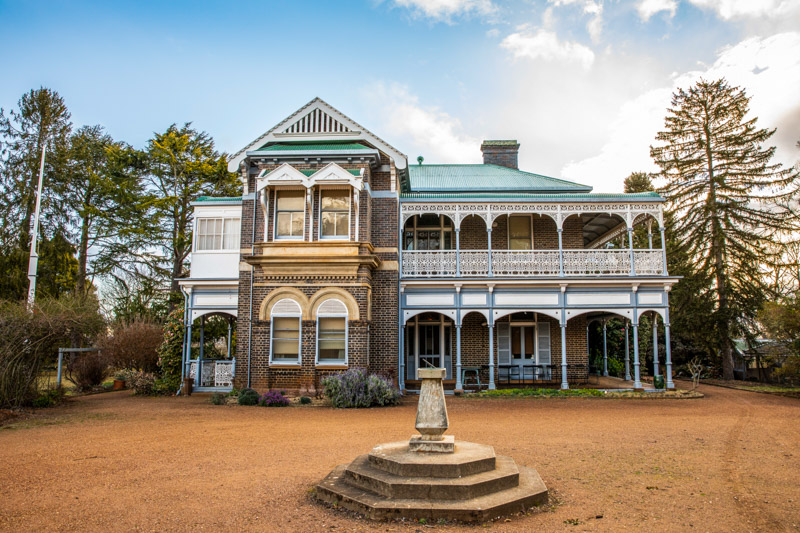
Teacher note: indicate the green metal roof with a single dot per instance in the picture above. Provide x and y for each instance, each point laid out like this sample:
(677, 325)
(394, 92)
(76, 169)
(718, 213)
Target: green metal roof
(530, 197)
(481, 177)
(234, 200)
(313, 146)
(353, 171)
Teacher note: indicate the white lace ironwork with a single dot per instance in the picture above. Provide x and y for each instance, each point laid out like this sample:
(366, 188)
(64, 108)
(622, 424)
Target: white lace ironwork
(223, 374)
(525, 262)
(648, 262)
(631, 213)
(429, 263)
(209, 371)
(474, 263)
(597, 262)
(510, 263)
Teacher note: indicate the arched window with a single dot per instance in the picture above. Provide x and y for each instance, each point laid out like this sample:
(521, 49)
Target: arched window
(285, 332)
(332, 333)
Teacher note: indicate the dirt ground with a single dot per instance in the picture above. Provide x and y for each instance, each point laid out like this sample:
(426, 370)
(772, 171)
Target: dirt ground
(114, 462)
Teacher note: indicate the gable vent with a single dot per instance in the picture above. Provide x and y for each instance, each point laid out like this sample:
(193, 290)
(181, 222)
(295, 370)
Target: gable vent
(317, 121)
(332, 307)
(286, 307)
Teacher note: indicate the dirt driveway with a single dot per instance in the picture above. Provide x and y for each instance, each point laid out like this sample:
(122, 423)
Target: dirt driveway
(114, 462)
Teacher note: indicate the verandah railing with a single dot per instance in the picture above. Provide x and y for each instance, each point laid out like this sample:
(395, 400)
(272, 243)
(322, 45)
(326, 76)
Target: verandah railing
(515, 263)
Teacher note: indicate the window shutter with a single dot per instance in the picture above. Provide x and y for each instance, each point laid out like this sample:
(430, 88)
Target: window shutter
(411, 361)
(543, 340)
(503, 344)
(448, 352)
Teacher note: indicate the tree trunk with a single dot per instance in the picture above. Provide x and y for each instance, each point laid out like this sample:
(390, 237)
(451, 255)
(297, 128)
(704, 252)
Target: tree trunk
(83, 251)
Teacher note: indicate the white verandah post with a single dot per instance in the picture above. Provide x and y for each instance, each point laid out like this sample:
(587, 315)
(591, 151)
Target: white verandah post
(605, 349)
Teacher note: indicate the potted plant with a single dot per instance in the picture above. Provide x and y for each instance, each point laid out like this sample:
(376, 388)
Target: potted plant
(119, 380)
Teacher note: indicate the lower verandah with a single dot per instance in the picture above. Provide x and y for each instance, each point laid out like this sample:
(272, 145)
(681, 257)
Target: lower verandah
(526, 350)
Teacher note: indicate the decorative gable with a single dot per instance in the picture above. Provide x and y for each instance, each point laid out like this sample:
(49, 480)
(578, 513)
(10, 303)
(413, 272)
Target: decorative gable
(317, 121)
(283, 175)
(334, 174)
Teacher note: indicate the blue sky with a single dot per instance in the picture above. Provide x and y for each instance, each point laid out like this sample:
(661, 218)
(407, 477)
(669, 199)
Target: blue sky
(582, 84)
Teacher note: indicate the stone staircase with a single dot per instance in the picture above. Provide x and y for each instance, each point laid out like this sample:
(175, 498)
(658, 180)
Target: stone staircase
(471, 484)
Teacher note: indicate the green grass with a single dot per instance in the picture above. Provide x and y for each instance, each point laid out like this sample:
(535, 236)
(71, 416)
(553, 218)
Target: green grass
(770, 388)
(541, 393)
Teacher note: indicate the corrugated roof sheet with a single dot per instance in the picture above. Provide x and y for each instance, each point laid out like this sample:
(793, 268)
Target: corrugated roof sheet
(312, 146)
(219, 200)
(489, 178)
(530, 197)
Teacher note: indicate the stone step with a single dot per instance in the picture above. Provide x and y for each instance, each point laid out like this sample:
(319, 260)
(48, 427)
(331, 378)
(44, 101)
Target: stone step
(530, 492)
(469, 458)
(361, 474)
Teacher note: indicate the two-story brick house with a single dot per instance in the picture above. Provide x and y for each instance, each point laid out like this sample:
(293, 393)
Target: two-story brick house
(349, 256)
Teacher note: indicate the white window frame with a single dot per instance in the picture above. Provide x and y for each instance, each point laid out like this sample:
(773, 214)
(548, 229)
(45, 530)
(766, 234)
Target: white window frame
(508, 230)
(321, 237)
(275, 235)
(297, 315)
(335, 362)
(196, 235)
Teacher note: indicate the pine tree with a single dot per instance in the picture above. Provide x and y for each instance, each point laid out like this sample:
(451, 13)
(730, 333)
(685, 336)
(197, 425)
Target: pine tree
(729, 200)
(41, 120)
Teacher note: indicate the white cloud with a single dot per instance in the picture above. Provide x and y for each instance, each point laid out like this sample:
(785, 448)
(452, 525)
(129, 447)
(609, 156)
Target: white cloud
(445, 9)
(545, 45)
(768, 69)
(590, 7)
(420, 130)
(732, 9)
(648, 8)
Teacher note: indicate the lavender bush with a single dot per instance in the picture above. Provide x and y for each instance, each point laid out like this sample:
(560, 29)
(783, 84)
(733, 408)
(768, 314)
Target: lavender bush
(273, 399)
(355, 388)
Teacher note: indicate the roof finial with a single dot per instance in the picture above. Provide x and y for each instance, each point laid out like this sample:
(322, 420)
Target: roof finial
(420, 159)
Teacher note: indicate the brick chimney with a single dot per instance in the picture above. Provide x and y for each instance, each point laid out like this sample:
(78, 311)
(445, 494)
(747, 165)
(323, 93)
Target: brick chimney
(503, 153)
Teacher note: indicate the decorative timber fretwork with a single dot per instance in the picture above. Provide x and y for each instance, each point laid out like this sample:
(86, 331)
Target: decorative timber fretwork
(631, 213)
(317, 121)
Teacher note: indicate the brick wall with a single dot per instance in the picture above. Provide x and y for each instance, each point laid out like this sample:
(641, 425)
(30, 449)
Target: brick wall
(372, 343)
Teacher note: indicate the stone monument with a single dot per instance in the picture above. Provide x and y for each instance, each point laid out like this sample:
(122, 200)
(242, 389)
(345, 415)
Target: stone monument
(433, 476)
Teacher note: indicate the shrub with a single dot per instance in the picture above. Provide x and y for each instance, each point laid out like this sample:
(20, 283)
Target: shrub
(48, 398)
(305, 400)
(789, 372)
(248, 397)
(29, 340)
(134, 346)
(354, 388)
(273, 399)
(170, 352)
(142, 383)
(88, 369)
(218, 398)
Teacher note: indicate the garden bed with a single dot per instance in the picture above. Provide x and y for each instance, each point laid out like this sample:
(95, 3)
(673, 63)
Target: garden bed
(586, 393)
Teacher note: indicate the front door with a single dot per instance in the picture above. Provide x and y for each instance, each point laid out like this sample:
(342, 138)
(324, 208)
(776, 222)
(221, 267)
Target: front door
(523, 348)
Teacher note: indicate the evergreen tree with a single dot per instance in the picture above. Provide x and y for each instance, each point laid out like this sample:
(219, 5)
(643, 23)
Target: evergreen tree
(42, 120)
(728, 199)
(107, 203)
(638, 182)
(182, 166)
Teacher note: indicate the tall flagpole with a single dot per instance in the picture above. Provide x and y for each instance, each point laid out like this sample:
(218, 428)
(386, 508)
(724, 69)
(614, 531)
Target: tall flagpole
(33, 263)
